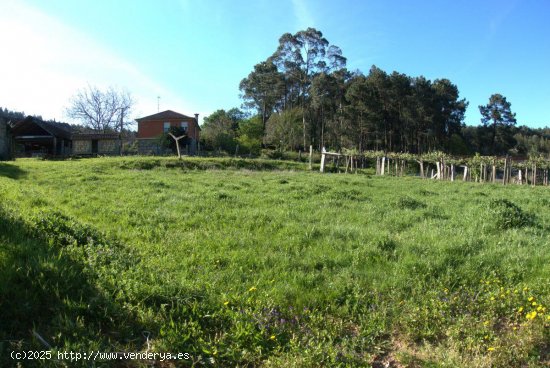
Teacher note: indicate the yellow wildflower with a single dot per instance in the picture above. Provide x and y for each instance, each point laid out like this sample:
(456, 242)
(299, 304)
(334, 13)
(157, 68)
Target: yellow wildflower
(531, 315)
(539, 309)
(534, 304)
(486, 323)
(530, 299)
(253, 288)
(225, 303)
(491, 348)
(492, 298)
(548, 318)
(272, 337)
(520, 309)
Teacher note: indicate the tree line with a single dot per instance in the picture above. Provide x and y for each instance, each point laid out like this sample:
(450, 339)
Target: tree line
(304, 95)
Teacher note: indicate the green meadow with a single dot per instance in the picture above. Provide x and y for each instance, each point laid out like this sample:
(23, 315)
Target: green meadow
(262, 263)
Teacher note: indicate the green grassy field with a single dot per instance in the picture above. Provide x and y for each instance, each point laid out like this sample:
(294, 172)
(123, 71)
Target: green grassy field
(261, 263)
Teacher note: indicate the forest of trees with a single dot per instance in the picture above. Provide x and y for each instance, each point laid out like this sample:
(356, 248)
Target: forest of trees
(303, 95)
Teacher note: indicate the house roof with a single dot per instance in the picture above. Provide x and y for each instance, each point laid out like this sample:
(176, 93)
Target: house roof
(165, 115)
(54, 129)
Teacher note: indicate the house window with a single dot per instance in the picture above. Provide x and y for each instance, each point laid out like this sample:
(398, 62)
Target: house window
(166, 127)
(184, 125)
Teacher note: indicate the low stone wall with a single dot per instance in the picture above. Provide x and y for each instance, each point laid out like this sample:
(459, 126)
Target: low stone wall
(104, 147)
(149, 147)
(152, 147)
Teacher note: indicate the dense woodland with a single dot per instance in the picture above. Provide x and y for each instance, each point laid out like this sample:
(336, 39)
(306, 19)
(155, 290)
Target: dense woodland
(303, 95)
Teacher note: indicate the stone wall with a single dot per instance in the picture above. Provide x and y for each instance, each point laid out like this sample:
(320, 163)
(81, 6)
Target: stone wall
(82, 147)
(149, 147)
(152, 147)
(108, 147)
(104, 147)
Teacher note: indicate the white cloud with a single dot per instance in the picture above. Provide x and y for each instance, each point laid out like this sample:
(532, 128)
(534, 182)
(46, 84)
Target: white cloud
(45, 61)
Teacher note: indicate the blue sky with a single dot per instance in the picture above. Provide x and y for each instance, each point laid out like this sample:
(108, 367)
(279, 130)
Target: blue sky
(194, 53)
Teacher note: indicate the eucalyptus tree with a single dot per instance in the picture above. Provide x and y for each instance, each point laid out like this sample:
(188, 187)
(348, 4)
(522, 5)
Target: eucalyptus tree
(302, 56)
(263, 89)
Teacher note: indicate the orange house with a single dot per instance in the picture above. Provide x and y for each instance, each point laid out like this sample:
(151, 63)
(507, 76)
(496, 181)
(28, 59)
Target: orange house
(151, 128)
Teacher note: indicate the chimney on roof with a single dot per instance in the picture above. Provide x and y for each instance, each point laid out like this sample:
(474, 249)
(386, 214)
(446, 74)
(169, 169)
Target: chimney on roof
(197, 118)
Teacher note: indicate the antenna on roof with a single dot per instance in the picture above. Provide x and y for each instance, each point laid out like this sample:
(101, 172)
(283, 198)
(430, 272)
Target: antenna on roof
(158, 103)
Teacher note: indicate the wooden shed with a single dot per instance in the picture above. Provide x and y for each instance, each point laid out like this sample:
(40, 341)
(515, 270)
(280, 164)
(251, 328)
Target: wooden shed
(34, 137)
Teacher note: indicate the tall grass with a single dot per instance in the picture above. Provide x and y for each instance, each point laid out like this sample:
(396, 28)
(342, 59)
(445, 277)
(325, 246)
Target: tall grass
(258, 262)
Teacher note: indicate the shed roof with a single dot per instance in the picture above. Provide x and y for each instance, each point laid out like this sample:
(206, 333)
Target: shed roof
(53, 129)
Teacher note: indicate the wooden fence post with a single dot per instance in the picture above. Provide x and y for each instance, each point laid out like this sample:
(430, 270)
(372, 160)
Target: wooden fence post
(383, 165)
(322, 169)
